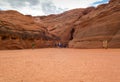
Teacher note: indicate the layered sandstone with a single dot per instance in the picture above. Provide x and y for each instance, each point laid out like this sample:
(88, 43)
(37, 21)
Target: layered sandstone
(61, 25)
(87, 27)
(18, 31)
(102, 24)
(78, 28)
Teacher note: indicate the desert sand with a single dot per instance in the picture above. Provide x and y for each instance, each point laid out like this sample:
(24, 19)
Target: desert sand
(60, 65)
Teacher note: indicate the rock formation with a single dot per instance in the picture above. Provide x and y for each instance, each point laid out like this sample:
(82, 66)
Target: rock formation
(63, 23)
(78, 28)
(87, 27)
(101, 24)
(18, 31)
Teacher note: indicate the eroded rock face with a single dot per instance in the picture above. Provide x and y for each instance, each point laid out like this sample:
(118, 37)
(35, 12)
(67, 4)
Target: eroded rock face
(62, 25)
(18, 32)
(99, 25)
(87, 27)
(78, 28)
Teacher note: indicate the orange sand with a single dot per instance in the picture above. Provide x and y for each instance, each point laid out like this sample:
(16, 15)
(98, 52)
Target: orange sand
(60, 65)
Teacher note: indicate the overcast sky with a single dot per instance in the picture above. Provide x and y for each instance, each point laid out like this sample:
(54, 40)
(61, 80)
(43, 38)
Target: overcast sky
(45, 7)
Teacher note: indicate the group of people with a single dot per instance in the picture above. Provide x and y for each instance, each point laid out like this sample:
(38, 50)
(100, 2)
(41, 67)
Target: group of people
(57, 44)
(60, 45)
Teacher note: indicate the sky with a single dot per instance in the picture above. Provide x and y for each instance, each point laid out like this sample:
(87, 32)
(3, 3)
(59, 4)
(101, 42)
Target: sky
(46, 7)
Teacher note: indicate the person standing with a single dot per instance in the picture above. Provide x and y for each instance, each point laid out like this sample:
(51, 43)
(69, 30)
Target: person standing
(33, 45)
(105, 44)
(59, 44)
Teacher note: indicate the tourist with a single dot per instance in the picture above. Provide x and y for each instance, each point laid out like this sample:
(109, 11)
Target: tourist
(105, 44)
(33, 45)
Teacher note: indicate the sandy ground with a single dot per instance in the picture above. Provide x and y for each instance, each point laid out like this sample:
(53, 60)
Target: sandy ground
(60, 65)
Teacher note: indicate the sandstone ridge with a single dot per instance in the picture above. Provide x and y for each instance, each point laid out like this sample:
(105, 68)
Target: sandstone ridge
(18, 31)
(78, 28)
(87, 27)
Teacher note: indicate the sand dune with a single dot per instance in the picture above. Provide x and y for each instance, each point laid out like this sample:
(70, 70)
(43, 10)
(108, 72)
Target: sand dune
(60, 65)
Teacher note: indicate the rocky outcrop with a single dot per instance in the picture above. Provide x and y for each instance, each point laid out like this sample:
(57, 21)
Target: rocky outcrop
(62, 25)
(87, 27)
(78, 28)
(98, 26)
(19, 32)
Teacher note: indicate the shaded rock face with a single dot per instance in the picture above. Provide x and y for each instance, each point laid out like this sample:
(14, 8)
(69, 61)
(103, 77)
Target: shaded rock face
(62, 25)
(87, 27)
(18, 32)
(102, 24)
(78, 28)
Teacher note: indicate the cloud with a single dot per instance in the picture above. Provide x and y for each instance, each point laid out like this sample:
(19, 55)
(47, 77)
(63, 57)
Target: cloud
(20, 3)
(49, 7)
(75, 3)
(34, 7)
(45, 7)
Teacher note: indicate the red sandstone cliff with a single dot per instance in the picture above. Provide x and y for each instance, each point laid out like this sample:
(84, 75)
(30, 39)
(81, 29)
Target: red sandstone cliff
(99, 25)
(18, 31)
(87, 28)
(77, 28)
(61, 25)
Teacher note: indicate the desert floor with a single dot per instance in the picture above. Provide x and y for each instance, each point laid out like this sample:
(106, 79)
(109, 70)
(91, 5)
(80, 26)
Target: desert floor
(60, 65)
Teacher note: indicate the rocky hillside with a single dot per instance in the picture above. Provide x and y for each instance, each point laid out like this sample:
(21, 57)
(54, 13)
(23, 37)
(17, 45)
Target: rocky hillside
(63, 23)
(18, 31)
(78, 28)
(101, 24)
(87, 27)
